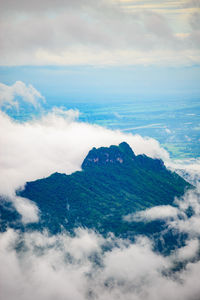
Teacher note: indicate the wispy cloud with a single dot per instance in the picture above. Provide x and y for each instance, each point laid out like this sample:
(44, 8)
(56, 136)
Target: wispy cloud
(27, 209)
(154, 213)
(10, 95)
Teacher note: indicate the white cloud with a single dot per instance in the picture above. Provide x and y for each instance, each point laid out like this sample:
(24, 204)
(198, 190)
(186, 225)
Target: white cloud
(39, 265)
(190, 226)
(176, 218)
(55, 267)
(84, 244)
(154, 213)
(9, 95)
(56, 143)
(181, 222)
(187, 168)
(133, 263)
(189, 251)
(27, 209)
(190, 199)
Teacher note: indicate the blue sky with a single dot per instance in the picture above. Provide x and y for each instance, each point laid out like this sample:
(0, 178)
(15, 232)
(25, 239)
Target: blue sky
(86, 83)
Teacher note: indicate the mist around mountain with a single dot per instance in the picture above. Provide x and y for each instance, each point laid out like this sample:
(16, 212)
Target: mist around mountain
(111, 223)
(113, 186)
(111, 230)
(99, 106)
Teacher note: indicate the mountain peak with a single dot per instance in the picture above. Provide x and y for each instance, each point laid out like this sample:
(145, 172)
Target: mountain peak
(120, 155)
(124, 147)
(112, 155)
(114, 183)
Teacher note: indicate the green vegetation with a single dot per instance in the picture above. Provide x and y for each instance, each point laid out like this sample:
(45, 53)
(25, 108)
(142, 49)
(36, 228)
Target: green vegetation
(113, 183)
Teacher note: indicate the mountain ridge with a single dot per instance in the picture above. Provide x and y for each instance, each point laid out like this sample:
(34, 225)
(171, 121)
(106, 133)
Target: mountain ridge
(122, 154)
(113, 183)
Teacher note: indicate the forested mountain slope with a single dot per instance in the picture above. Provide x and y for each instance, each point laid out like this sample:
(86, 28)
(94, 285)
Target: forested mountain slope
(113, 182)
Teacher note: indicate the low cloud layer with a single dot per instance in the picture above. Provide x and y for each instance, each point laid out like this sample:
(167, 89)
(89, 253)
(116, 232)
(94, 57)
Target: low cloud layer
(154, 213)
(87, 266)
(38, 265)
(176, 218)
(56, 142)
(187, 168)
(27, 209)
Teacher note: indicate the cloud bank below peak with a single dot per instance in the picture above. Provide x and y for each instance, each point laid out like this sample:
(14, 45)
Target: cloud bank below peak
(77, 267)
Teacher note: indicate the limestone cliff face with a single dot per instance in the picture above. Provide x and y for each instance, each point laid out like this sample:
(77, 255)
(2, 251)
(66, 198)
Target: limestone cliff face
(122, 154)
(113, 155)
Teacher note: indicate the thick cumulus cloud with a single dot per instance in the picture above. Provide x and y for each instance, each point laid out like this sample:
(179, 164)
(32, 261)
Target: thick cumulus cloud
(98, 32)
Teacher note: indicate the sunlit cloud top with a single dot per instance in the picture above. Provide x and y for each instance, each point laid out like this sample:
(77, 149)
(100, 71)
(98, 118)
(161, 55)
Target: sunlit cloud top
(120, 32)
